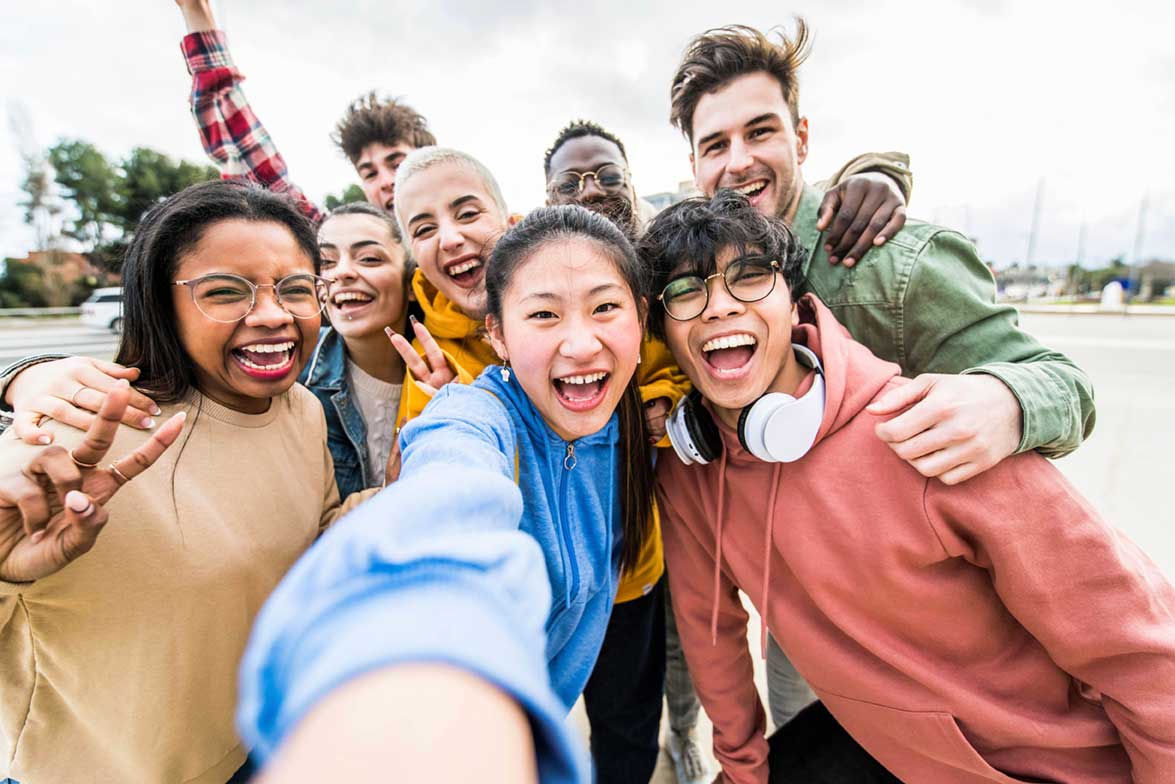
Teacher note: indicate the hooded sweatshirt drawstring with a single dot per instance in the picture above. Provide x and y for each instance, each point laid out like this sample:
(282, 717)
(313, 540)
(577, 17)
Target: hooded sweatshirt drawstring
(718, 548)
(767, 560)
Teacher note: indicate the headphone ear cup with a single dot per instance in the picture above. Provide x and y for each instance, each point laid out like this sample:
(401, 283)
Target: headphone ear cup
(702, 429)
(742, 426)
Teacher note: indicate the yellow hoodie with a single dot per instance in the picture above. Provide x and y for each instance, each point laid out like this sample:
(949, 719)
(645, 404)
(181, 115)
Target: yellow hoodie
(468, 352)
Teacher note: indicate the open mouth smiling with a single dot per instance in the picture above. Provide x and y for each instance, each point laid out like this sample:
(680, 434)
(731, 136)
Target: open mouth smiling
(266, 361)
(582, 392)
(347, 302)
(727, 356)
(466, 271)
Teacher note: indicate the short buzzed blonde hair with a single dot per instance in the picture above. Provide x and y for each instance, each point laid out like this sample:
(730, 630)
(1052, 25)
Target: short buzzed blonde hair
(426, 158)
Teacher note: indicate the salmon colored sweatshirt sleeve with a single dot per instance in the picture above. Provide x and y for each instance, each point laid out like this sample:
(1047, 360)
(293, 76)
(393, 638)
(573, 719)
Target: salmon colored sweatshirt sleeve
(721, 666)
(1098, 605)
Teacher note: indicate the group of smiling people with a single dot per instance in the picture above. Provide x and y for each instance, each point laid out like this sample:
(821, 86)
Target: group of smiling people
(531, 459)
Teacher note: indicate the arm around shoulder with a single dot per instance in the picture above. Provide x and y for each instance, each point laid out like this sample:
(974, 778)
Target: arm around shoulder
(950, 323)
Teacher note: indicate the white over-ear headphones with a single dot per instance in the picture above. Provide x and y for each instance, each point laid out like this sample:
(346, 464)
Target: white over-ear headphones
(776, 428)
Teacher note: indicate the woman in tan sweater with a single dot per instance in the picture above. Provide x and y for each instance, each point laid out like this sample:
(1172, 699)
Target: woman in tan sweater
(121, 665)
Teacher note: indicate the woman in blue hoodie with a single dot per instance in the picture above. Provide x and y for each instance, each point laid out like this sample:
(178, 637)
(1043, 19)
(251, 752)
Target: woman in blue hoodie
(549, 448)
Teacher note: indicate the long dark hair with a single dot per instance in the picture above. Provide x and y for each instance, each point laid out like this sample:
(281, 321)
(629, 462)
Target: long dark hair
(150, 340)
(551, 224)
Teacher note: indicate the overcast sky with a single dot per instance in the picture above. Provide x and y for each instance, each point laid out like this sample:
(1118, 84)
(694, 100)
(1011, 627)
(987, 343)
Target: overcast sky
(989, 98)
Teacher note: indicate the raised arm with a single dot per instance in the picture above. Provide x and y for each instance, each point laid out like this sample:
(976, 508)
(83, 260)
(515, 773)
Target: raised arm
(230, 132)
(431, 571)
(864, 204)
(1016, 394)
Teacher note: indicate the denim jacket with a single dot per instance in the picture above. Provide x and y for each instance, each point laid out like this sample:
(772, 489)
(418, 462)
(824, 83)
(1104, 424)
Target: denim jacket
(326, 376)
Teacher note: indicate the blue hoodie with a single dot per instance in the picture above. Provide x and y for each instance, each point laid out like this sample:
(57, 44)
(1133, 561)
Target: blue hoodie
(432, 569)
(570, 503)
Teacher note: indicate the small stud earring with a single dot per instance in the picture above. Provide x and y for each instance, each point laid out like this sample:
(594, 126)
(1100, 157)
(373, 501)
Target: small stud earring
(505, 372)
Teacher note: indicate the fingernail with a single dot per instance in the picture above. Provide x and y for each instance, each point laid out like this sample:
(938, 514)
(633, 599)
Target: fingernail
(828, 248)
(389, 331)
(850, 261)
(156, 410)
(413, 319)
(37, 536)
(76, 501)
(147, 423)
(879, 240)
(43, 439)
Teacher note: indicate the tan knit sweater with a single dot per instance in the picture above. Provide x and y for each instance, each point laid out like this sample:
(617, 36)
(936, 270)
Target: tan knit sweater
(122, 667)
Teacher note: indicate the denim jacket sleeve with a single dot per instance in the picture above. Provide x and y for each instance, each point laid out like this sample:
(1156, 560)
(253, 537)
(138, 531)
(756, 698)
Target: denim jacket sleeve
(949, 322)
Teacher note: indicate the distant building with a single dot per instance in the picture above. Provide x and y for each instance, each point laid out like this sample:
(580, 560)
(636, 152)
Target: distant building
(65, 266)
(660, 201)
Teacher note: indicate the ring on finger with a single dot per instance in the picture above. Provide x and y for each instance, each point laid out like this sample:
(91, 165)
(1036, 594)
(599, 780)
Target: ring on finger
(74, 397)
(119, 476)
(80, 463)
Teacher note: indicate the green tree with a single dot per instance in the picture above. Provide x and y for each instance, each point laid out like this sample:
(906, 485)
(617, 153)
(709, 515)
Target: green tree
(89, 181)
(149, 176)
(22, 285)
(351, 193)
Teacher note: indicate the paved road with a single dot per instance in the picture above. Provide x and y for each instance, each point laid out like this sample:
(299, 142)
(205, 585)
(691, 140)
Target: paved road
(21, 337)
(1127, 468)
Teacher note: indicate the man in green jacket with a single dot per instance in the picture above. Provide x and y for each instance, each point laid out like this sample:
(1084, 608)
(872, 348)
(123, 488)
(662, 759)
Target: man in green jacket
(982, 390)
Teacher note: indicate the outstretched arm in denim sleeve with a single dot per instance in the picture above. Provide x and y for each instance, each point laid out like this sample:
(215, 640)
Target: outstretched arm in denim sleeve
(432, 571)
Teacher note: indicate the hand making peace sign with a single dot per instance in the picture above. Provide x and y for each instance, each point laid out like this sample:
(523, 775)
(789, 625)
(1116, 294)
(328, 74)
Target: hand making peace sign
(51, 509)
(432, 372)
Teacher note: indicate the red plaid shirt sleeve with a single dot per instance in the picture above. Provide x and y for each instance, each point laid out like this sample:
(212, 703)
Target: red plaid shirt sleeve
(229, 130)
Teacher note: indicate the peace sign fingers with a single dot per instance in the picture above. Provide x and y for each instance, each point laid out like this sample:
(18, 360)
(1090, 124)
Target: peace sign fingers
(100, 435)
(432, 371)
(127, 468)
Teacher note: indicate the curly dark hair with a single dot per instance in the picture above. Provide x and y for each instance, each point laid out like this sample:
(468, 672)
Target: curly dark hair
(686, 238)
(718, 56)
(575, 130)
(371, 119)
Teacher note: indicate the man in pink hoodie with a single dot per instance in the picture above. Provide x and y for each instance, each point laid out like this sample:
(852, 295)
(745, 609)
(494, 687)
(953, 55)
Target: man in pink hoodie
(994, 630)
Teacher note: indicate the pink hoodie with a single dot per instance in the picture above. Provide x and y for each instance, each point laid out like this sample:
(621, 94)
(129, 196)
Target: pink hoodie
(997, 630)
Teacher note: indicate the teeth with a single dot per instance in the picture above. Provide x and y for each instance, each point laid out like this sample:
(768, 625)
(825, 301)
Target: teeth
(457, 269)
(351, 296)
(269, 348)
(729, 341)
(588, 379)
(245, 361)
(749, 188)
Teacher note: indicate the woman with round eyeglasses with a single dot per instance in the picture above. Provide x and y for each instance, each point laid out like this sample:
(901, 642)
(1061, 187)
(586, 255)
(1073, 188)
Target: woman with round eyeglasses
(123, 617)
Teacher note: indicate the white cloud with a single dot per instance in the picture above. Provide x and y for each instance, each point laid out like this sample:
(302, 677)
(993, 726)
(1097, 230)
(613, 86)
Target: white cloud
(989, 98)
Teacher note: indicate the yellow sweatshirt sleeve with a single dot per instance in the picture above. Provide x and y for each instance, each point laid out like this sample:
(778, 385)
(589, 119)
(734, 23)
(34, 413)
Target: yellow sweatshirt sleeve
(659, 376)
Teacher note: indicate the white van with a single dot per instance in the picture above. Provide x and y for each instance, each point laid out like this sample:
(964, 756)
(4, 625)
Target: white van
(103, 309)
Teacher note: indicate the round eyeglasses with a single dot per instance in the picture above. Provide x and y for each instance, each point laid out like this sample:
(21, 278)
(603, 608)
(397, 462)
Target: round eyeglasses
(609, 178)
(746, 279)
(227, 298)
